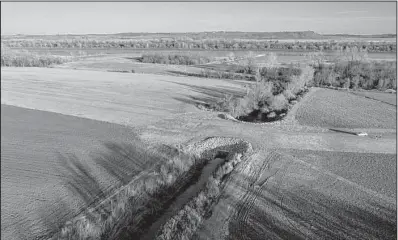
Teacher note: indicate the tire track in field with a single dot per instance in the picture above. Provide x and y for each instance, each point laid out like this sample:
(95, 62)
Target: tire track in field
(247, 202)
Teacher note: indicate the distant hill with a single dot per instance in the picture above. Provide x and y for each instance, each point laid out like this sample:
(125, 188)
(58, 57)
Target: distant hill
(361, 36)
(205, 35)
(234, 35)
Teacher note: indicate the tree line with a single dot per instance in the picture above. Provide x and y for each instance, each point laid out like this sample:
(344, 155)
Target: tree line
(208, 44)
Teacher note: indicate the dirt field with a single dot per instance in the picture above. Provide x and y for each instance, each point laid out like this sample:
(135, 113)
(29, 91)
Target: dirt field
(294, 165)
(130, 99)
(337, 109)
(379, 96)
(35, 147)
(283, 197)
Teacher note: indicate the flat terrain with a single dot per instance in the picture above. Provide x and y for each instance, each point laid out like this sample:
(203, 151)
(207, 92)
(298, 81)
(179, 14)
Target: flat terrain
(279, 196)
(131, 99)
(378, 168)
(379, 96)
(35, 146)
(283, 55)
(302, 174)
(337, 109)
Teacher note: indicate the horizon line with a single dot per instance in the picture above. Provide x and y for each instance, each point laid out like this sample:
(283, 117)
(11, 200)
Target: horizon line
(218, 31)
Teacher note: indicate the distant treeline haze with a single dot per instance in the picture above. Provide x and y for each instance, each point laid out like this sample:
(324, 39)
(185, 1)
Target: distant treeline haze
(209, 44)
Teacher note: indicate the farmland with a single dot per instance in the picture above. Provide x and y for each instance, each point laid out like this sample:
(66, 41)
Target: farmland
(131, 138)
(339, 109)
(379, 96)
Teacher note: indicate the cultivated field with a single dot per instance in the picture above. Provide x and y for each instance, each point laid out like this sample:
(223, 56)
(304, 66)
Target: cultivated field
(285, 196)
(39, 152)
(340, 109)
(379, 96)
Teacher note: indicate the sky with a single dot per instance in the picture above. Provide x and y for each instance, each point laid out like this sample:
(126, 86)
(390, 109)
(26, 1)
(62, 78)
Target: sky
(117, 17)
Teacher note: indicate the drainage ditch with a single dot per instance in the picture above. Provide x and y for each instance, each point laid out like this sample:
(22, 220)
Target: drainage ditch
(181, 200)
(187, 187)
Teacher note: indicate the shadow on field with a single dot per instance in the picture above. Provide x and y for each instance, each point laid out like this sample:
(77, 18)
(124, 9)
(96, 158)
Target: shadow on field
(237, 76)
(208, 94)
(342, 131)
(121, 161)
(308, 214)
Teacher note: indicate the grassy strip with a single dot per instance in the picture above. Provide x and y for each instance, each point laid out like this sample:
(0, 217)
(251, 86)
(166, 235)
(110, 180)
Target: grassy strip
(12, 58)
(174, 59)
(208, 73)
(186, 222)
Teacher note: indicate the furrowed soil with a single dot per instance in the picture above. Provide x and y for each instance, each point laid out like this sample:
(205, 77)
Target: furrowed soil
(276, 195)
(340, 109)
(379, 96)
(299, 183)
(37, 150)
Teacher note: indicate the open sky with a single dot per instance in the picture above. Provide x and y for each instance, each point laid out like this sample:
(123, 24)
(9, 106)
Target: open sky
(116, 17)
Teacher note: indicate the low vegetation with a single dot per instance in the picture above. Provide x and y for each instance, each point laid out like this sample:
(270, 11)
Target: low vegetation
(130, 212)
(275, 90)
(23, 58)
(357, 74)
(353, 69)
(184, 224)
(174, 59)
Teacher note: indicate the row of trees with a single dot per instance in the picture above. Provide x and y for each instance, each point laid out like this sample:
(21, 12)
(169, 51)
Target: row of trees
(174, 59)
(212, 44)
(357, 74)
(353, 69)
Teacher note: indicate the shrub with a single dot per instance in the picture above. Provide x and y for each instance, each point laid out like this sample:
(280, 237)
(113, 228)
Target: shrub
(278, 102)
(266, 95)
(289, 94)
(271, 115)
(299, 82)
(207, 73)
(261, 93)
(242, 106)
(280, 77)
